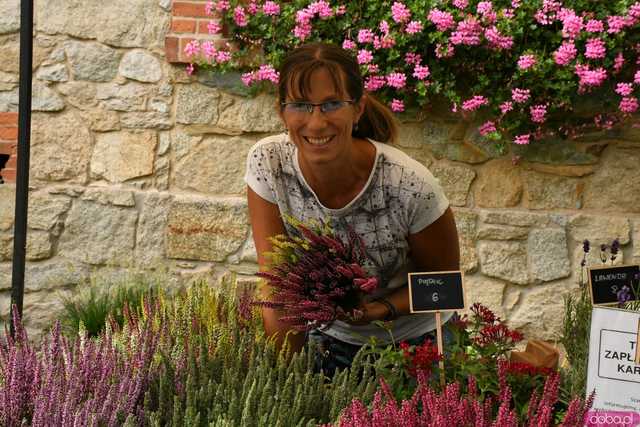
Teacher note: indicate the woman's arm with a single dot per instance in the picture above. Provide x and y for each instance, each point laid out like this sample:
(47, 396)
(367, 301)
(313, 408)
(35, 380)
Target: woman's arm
(435, 248)
(266, 222)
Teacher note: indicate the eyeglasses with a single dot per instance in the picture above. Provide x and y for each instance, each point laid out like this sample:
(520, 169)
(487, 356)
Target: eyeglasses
(307, 107)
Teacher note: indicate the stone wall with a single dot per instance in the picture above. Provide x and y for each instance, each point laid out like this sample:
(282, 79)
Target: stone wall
(137, 165)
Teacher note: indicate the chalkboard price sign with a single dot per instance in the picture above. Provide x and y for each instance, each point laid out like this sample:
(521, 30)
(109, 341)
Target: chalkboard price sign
(436, 291)
(606, 282)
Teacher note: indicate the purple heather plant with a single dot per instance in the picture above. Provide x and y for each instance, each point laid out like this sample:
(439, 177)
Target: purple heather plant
(315, 277)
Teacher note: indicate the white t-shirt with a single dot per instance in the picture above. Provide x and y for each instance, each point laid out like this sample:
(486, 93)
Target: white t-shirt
(401, 197)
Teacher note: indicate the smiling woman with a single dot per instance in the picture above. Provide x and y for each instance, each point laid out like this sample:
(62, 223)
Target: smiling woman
(332, 165)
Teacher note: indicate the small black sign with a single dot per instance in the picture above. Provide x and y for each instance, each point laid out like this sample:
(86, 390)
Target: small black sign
(436, 291)
(606, 282)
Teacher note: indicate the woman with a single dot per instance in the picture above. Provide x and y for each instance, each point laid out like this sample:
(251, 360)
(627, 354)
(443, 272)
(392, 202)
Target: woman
(332, 164)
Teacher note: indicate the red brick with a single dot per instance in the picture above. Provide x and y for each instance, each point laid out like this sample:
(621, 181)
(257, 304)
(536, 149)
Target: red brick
(190, 9)
(172, 49)
(8, 175)
(7, 147)
(8, 119)
(9, 133)
(183, 25)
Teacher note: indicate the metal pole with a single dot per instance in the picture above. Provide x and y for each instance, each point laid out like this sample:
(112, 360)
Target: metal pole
(22, 175)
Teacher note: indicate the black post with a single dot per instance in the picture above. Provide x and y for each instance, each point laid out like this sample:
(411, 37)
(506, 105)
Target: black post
(22, 175)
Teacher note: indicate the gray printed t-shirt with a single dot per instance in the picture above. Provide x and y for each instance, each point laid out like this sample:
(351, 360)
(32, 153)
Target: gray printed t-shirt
(401, 197)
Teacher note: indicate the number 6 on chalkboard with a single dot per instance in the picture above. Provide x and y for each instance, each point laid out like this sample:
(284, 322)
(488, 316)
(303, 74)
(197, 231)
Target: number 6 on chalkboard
(436, 291)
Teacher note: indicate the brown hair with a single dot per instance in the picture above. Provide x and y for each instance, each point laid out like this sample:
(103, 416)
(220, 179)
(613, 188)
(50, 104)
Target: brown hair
(377, 122)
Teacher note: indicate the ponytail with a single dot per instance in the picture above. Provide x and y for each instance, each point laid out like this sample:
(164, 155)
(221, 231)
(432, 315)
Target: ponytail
(377, 122)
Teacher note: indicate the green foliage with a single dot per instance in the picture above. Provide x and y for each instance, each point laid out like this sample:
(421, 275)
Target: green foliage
(101, 300)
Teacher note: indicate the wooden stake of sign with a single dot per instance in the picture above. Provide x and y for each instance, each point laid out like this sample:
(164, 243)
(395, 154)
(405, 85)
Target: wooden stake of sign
(440, 347)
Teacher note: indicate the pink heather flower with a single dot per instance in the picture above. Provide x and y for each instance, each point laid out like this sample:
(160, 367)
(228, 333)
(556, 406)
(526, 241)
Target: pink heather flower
(461, 4)
(214, 27)
(421, 72)
(520, 95)
(192, 48)
(616, 24)
(497, 40)
(474, 103)
(239, 16)
(384, 27)
(565, 53)
(414, 27)
(267, 72)
(526, 61)
(223, 56)
(505, 107)
(248, 78)
(467, 33)
(348, 44)
(208, 8)
(373, 68)
(538, 113)
(636, 78)
(341, 10)
(442, 20)
(629, 105)
(618, 62)
(364, 56)
(374, 83)
(522, 139)
(413, 58)
(590, 77)
(365, 36)
(595, 48)
(208, 49)
(400, 13)
(396, 80)
(594, 26)
(222, 5)
(271, 8)
(190, 69)
(572, 25)
(444, 51)
(487, 128)
(624, 89)
(397, 106)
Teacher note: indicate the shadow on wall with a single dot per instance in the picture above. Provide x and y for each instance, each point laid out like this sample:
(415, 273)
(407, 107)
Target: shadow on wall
(4, 158)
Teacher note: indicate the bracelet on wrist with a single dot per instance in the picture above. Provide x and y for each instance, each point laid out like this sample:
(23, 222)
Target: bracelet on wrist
(392, 310)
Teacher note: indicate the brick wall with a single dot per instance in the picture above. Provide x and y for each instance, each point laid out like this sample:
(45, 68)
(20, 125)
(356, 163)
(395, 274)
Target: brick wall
(8, 146)
(189, 21)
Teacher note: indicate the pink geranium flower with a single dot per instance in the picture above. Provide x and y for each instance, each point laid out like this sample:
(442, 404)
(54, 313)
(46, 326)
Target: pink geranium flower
(487, 128)
(595, 48)
(374, 83)
(629, 105)
(397, 106)
(636, 78)
(240, 17)
(565, 53)
(461, 4)
(413, 58)
(400, 13)
(421, 72)
(348, 44)
(520, 95)
(364, 56)
(615, 24)
(442, 20)
(474, 103)
(467, 33)
(505, 107)
(522, 139)
(214, 27)
(365, 36)
(538, 113)
(414, 27)
(497, 40)
(271, 8)
(572, 25)
(192, 48)
(590, 77)
(624, 89)
(594, 26)
(526, 61)
(396, 80)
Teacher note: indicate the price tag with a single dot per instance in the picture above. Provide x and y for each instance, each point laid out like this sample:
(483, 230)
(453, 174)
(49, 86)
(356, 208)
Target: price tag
(606, 282)
(436, 291)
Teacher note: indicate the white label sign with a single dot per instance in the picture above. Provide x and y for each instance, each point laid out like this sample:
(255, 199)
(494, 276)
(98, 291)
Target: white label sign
(613, 372)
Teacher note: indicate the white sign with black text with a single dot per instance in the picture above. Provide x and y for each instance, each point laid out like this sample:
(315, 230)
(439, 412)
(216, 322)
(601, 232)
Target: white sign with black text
(613, 372)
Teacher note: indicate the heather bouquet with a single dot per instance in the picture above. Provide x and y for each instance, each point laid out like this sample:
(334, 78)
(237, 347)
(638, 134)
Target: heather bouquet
(520, 70)
(315, 277)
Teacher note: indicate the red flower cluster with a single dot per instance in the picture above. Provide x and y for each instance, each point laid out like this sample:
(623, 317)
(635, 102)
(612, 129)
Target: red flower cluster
(498, 333)
(315, 277)
(521, 368)
(420, 358)
(483, 313)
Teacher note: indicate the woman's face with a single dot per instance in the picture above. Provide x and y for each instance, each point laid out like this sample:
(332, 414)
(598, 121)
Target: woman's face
(322, 136)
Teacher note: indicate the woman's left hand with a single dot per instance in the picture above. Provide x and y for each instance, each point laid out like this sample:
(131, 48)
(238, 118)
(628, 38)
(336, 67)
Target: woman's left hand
(371, 311)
